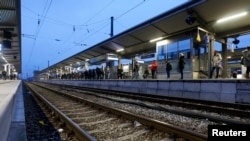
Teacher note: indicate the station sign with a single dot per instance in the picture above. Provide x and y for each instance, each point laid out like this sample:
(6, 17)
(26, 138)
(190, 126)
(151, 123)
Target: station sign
(148, 56)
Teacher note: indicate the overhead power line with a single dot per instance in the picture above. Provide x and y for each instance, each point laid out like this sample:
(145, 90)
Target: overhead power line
(126, 12)
(40, 23)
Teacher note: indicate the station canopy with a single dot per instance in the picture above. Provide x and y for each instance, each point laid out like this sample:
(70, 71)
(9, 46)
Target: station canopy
(10, 24)
(201, 13)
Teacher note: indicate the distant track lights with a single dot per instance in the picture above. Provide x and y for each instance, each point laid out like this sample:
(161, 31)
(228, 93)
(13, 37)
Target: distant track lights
(190, 19)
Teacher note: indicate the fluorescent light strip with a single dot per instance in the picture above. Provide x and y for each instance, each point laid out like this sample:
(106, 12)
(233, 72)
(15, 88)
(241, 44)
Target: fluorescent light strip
(4, 59)
(232, 17)
(119, 50)
(157, 39)
(112, 58)
(140, 61)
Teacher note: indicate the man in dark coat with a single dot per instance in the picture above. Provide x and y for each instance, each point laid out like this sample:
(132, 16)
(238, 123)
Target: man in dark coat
(181, 64)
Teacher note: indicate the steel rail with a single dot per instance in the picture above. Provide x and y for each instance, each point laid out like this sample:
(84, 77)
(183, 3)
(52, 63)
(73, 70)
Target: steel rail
(184, 133)
(80, 133)
(235, 109)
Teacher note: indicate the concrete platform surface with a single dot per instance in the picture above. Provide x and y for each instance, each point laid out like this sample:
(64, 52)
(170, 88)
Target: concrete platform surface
(12, 118)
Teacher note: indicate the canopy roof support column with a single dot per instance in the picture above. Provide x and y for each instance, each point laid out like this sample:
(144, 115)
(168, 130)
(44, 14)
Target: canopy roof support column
(210, 53)
(224, 58)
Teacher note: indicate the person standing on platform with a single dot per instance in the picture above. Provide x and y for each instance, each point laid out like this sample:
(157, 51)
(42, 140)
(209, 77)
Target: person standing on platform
(4, 74)
(153, 68)
(146, 73)
(216, 60)
(181, 64)
(135, 71)
(98, 73)
(107, 72)
(168, 68)
(120, 72)
(246, 61)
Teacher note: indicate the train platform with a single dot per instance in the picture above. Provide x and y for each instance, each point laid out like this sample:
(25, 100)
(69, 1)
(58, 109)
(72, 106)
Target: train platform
(12, 118)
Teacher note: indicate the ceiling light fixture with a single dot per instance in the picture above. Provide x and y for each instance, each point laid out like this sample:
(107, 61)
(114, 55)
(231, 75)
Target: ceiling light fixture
(232, 17)
(156, 39)
(119, 50)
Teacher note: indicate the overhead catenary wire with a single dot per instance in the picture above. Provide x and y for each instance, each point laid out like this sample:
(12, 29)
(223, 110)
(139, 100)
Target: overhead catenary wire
(89, 31)
(60, 22)
(106, 6)
(126, 12)
(105, 25)
(41, 21)
(39, 27)
(76, 27)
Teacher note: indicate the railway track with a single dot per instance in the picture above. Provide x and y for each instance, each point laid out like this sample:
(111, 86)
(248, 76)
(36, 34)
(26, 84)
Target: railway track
(89, 120)
(222, 113)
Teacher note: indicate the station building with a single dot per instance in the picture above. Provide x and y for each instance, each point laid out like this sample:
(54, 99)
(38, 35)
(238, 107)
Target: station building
(191, 29)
